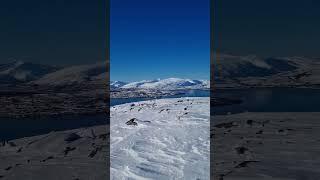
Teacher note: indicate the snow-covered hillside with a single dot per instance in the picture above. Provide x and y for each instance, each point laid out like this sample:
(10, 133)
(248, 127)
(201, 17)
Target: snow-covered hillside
(20, 72)
(170, 83)
(75, 75)
(165, 139)
(230, 71)
(234, 66)
(117, 84)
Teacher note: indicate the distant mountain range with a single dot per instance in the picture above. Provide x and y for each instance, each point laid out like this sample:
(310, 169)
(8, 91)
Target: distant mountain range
(20, 72)
(227, 68)
(74, 75)
(233, 66)
(252, 71)
(164, 84)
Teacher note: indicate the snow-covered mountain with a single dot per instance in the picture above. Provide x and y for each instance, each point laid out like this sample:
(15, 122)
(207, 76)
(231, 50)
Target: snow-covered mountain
(232, 71)
(20, 72)
(138, 84)
(36, 74)
(227, 68)
(170, 83)
(117, 84)
(233, 66)
(75, 75)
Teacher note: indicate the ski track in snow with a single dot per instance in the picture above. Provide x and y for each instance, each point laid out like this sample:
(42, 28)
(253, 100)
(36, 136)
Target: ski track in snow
(171, 140)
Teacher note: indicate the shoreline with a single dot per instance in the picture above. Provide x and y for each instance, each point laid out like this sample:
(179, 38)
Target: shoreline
(263, 87)
(149, 93)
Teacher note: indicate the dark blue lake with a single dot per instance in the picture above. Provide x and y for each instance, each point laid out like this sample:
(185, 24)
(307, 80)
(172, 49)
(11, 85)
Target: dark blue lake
(270, 100)
(17, 128)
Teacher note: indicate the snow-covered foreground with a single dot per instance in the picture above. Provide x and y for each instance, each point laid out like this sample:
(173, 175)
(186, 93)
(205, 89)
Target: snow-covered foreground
(170, 141)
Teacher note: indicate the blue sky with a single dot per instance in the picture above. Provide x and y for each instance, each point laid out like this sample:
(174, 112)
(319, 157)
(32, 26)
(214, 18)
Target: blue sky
(59, 32)
(267, 28)
(159, 39)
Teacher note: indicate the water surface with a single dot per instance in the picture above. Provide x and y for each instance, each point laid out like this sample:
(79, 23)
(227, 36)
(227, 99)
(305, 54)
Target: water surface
(17, 128)
(270, 100)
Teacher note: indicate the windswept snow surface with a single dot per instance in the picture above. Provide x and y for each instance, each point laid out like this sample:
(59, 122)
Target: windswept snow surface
(170, 141)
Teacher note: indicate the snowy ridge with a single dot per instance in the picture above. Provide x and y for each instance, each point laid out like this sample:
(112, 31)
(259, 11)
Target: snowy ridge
(117, 84)
(74, 75)
(234, 66)
(228, 68)
(138, 83)
(170, 83)
(19, 71)
(170, 141)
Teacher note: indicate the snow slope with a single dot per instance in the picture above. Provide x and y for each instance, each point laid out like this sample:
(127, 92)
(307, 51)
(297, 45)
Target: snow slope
(170, 141)
(170, 83)
(234, 66)
(19, 71)
(75, 75)
(117, 84)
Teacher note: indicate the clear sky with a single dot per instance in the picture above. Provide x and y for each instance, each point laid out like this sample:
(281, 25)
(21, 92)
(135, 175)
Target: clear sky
(152, 39)
(267, 27)
(60, 32)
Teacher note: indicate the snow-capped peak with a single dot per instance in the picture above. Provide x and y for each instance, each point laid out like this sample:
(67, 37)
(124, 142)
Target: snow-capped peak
(117, 84)
(169, 83)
